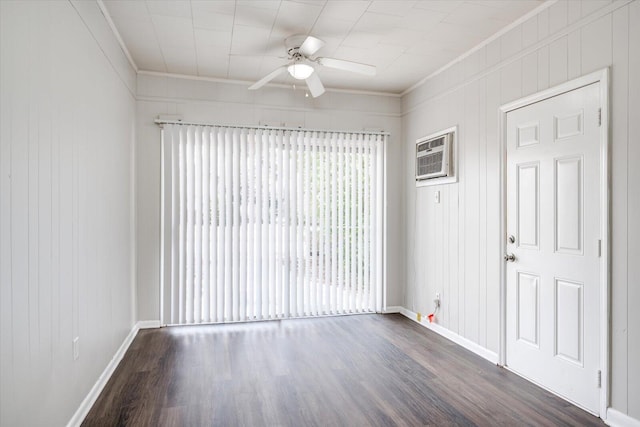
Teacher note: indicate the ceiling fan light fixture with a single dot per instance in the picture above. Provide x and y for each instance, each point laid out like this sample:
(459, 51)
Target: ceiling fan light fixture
(300, 71)
(300, 68)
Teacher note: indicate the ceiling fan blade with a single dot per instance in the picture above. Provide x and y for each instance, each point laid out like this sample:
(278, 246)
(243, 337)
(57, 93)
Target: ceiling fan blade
(310, 46)
(341, 64)
(315, 85)
(266, 79)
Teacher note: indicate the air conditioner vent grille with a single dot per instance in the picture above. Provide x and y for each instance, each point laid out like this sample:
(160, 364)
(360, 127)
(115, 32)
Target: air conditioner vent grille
(429, 145)
(430, 164)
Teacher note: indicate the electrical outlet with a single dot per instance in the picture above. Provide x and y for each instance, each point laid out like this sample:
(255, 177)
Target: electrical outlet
(437, 196)
(437, 300)
(419, 317)
(76, 348)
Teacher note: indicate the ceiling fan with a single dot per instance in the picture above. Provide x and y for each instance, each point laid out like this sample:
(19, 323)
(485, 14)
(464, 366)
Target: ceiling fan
(300, 50)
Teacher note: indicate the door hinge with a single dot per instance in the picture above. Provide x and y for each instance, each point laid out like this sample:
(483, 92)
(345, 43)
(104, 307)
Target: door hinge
(599, 248)
(599, 379)
(599, 116)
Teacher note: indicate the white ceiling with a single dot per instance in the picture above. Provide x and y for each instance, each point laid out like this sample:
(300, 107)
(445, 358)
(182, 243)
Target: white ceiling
(244, 39)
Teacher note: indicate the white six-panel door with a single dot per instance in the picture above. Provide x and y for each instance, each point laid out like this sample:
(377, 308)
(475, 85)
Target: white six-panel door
(553, 223)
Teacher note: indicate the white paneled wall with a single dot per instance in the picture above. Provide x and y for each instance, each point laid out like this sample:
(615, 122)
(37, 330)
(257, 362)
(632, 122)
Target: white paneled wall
(453, 247)
(213, 102)
(66, 218)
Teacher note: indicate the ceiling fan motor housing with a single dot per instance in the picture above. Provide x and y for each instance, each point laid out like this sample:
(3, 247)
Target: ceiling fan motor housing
(295, 55)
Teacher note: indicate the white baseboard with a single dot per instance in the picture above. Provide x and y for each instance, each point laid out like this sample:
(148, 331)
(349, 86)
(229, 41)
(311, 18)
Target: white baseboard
(618, 419)
(95, 391)
(460, 340)
(148, 324)
(392, 309)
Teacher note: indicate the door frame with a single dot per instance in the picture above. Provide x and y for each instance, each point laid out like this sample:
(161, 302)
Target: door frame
(601, 77)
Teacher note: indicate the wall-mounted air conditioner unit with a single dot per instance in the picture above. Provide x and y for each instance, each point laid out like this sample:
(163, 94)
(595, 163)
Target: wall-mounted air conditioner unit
(435, 157)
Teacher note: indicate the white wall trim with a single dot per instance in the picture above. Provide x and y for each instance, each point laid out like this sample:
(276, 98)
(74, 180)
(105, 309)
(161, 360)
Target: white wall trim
(392, 309)
(452, 336)
(483, 43)
(203, 78)
(148, 324)
(74, 4)
(116, 33)
(521, 54)
(97, 388)
(601, 77)
(248, 83)
(618, 419)
(147, 98)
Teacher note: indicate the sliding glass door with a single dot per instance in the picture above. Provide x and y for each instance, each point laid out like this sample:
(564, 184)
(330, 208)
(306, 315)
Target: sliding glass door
(267, 224)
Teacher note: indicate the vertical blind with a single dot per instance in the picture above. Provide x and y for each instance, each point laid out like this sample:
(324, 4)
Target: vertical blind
(267, 224)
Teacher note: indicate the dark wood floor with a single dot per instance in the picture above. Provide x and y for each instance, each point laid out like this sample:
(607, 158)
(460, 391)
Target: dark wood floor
(368, 370)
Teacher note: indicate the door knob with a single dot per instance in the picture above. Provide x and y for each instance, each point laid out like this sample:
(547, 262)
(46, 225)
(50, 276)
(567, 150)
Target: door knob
(510, 257)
